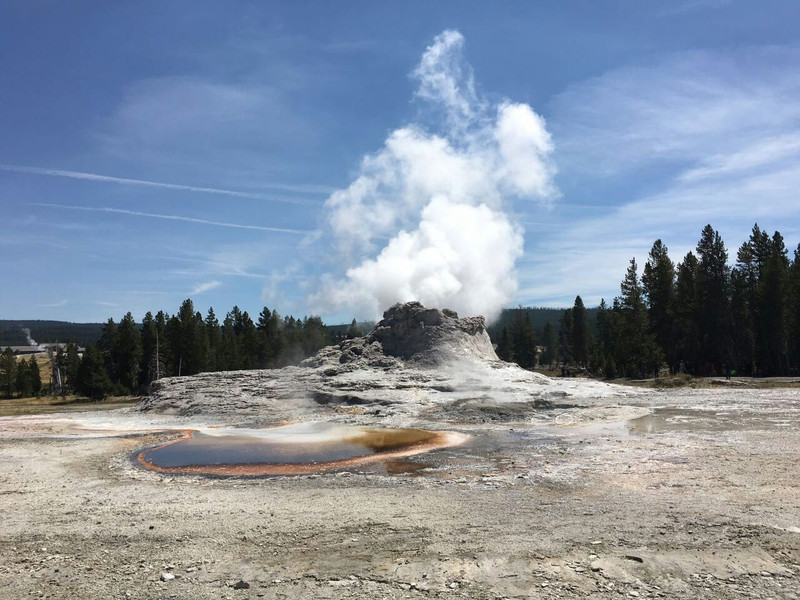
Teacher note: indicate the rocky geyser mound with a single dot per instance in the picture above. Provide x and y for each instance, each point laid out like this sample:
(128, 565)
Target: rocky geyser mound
(417, 361)
(414, 335)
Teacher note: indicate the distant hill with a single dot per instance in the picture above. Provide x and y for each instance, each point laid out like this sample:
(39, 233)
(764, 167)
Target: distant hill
(12, 333)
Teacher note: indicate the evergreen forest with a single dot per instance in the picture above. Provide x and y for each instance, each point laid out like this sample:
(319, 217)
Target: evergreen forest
(128, 356)
(700, 316)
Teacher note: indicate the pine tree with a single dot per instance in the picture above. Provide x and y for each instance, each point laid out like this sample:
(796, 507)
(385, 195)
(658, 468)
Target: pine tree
(606, 340)
(23, 383)
(315, 335)
(8, 373)
(550, 341)
(504, 351)
(714, 317)
(230, 346)
(523, 339)
(580, 333)
(742, 334)
(687, 313)
(35, 376)
(108, 345)
(291, 342)
(354, 331)
(745, 278)
(148, 334)
(565, 337)
(658, 283)
(794, 311)
(166, 353)
(93, 380)
(638, 352)
(248, 342)
(129, 353)
(771, 347)
(214, 337)
(72, 364)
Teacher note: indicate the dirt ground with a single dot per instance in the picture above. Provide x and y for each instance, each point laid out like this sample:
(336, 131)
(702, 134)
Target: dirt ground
(674, 494)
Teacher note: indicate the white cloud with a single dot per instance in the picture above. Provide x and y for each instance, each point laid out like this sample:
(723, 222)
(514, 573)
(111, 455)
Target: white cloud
(424, 220)
(207, 286)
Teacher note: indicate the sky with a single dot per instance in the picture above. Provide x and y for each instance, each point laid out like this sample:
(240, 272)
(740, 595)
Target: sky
(333, 158)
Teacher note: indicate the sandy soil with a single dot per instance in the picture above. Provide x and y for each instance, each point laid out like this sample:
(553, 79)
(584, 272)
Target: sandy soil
(675, 494)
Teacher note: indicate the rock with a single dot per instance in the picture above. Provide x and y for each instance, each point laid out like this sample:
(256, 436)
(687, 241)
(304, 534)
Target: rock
(430, 336)
(167, 577)
(241, 585)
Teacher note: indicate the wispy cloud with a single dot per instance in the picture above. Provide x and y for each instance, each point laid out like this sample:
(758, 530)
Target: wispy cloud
(205, 287)
(54, 304)
(697, 138)
(768, 153)
(677, 110)
(135, 213)
(229, 127)
(172, 186)
(679, 8)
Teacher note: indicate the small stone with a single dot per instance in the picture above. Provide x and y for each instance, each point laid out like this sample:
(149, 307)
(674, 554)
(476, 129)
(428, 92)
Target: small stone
(453, 586)
(167, 577)
(241, 585)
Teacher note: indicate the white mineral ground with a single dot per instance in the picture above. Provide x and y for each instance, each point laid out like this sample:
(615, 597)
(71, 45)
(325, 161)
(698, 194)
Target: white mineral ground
(566, 488)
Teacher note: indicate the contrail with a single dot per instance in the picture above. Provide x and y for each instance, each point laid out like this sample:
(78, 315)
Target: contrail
(122, 211)
(169, 186)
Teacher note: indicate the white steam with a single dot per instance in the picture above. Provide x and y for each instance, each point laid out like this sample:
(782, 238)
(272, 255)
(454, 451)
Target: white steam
(30, 340)
(439, 198)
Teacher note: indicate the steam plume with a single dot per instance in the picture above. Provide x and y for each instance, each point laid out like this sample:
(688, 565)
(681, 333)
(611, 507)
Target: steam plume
(439, 196)
(27, 332)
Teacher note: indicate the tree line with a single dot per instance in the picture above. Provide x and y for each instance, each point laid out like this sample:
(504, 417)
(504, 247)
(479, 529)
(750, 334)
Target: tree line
(19, 377)
(700, 316)
(128, 356)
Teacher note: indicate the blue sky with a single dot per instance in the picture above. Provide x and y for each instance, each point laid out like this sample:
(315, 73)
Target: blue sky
(154, 151)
